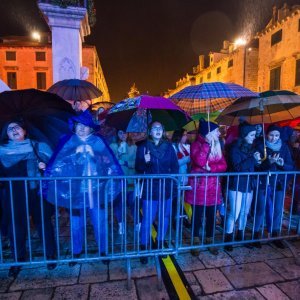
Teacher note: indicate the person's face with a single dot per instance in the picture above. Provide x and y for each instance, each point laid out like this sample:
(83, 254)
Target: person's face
(82, 131)
(156, 131)
(15, 132)
(122, 135)
(184, 138)
(77, 106)
(273, 136)
(258, 128)
(250, 137)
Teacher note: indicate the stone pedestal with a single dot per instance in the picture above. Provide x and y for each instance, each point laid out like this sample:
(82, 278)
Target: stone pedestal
(69, 26)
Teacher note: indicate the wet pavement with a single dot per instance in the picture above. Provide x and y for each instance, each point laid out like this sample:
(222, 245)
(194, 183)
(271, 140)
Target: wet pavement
(266, 273)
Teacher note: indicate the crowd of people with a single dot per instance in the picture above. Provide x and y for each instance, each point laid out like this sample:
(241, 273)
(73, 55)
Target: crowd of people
(85, 152)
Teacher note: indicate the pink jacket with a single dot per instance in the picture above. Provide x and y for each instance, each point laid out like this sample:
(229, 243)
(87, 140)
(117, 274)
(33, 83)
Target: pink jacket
(205, 190)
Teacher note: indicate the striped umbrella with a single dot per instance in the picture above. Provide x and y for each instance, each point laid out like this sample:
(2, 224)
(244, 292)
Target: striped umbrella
(209, 97)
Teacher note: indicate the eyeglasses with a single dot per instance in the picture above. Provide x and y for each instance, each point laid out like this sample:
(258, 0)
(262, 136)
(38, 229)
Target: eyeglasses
(11, 129)
(157, 128)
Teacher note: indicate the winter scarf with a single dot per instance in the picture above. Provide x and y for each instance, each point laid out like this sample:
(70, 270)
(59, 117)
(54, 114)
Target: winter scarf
(274, 146)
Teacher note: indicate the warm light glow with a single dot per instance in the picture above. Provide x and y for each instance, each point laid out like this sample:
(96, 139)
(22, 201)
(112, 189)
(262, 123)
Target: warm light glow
(240, 42)
(249, 49)
(36, 36)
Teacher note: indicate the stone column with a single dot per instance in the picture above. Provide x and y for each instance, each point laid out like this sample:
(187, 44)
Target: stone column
(69, 26)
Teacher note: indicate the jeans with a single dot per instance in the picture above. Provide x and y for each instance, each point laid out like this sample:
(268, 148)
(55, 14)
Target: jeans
(240, 204)
(99, 223)
(271, 202)
(150, 210)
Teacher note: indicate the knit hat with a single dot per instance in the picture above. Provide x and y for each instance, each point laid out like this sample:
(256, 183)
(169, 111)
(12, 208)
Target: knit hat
(84, 118)
(245, 128)
(274, 127)
(205, 127)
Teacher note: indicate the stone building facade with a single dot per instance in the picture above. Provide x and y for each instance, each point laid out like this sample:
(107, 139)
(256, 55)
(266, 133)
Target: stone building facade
(271, 60)
(28, 64)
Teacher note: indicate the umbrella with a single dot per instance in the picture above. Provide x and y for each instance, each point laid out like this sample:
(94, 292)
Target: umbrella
(270, 107)
(134, 114)
(45, 115)
(102, 104)
(209, 97)
(3, 87)
(75, 89)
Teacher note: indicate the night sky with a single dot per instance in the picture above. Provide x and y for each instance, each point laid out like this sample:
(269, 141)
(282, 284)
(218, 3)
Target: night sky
(152, 42)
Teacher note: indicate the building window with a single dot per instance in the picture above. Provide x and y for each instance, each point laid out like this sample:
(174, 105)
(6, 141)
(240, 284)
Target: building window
(297, 81)
(218, 70)
(230, 63)
(41, 80)
(276, 37)
(209, 75)
(275, 78)
(201, 79)
(11, 55)
(299, 25)
(40, 56)
(12, 80)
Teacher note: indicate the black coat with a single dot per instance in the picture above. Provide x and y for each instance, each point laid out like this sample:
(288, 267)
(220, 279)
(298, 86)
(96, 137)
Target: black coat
(241, 159)
(266, 166)
(163, 161)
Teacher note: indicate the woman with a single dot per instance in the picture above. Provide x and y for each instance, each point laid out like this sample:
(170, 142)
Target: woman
(206, 157)
(156, 156)
(125, 151)
(272, 189)
(84, 154)
(22, 157)
(242, 158)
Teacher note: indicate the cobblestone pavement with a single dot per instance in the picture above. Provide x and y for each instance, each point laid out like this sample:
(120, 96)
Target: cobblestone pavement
(266, 273)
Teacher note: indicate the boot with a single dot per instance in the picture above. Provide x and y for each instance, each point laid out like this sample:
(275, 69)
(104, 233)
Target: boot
(256, 244)
(228, 238)
(196, 252)
(212, 250)
(278, 243)
(240, 237)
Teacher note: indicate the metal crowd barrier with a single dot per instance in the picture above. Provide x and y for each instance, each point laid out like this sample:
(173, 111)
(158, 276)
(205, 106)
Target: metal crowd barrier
(118, 224)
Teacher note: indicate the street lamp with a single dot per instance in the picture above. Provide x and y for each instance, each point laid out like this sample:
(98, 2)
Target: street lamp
(36, 36)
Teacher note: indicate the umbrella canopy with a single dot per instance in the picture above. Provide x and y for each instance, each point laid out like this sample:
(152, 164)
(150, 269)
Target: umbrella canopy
(75, 89)
(102, 104)
(209, 97)
(3, 87)
(270, 107)
(134, 114)
(45, 115)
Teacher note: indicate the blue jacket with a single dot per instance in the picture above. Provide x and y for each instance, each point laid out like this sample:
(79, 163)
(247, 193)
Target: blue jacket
(163, 161)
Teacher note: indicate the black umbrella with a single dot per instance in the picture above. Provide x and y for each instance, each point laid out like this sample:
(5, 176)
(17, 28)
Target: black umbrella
(75, 89)
(45, 115)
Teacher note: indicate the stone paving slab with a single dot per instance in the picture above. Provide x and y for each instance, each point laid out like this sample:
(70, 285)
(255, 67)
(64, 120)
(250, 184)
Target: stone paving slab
(212, 281)
(249, 275)
(187, 262)
(42, 278)
(93, 272)
(271, 291)
(292, 288)
(286, 267)
(78, 292)
(112, 291)
(147, 289)
(10, 296)
(212, 261)
(5, 281)
(250, 294)
(37, 294)
(244, 255)
(194, 284)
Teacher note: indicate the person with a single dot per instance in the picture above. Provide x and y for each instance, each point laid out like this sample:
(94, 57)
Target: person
(155, 156)
(21, 156)
(125, 151)
(242, 157)
(271, 190)
(206, 157)
(182, 149)
(83, 153)
(81, 105)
